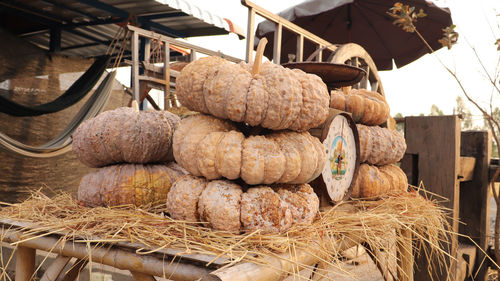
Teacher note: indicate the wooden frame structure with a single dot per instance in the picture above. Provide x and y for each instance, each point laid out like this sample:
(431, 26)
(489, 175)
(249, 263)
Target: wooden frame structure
(167, 263)
(141, 44)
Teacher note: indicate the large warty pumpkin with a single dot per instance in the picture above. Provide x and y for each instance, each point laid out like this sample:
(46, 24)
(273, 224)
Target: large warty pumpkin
(125, 135)
(270, 95)
(225, 205)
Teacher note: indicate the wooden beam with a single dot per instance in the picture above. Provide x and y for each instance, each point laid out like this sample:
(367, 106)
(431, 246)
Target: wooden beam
(466, 168)
(25, 263)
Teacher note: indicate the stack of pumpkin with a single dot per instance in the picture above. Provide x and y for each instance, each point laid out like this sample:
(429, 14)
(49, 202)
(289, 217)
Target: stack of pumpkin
(129, 147)
(252, 173)
(380, 148)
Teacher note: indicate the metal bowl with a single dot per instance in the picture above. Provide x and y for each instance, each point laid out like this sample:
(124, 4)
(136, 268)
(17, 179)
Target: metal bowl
(333, 74)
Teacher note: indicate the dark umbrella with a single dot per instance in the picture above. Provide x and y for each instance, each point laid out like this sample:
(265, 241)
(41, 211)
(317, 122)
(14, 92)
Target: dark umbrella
(364, 22)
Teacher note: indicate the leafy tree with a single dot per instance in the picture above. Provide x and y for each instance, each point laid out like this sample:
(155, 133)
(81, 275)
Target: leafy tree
(462, 109)
(400, 126)
(435, 111)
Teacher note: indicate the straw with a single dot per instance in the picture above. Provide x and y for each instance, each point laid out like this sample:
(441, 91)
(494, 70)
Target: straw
(373, 221)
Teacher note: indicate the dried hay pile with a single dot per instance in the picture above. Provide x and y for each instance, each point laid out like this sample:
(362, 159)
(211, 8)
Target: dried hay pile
(373, 222)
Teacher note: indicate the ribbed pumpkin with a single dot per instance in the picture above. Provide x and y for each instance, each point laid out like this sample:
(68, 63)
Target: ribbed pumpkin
(367, 107)
(125, 135)
(224, 205)
(214, 148)
(380, 146)
(125, 184)
(272, 96)
(373, 181)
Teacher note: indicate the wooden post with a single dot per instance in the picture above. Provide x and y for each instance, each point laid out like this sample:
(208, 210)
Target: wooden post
(277, 43)
(25, 263)
(433, 157)
(300, 48)
(250, 35)
(405, 256)
(135, 65)
(474, 197)
(166, 74)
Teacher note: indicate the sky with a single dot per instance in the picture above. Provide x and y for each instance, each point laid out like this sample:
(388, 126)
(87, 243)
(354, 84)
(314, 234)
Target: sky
(412, 89)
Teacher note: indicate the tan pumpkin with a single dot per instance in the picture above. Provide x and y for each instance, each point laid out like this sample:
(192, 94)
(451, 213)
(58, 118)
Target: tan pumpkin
(126, 184)
(373, 181)
(125, 135)
(213, 148)
(380, 146)
(274, 97)
(367, 107)
(223, 205)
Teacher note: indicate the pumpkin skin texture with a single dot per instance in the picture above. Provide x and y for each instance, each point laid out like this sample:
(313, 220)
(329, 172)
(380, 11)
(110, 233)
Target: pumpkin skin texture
(263, 209)
(127, 184)
(125, 135)
(276, 98)
(182, 200)
(367, 107)
(219, 205)
(301, 200)
(380, 146)
(373, 181)
(213, 148)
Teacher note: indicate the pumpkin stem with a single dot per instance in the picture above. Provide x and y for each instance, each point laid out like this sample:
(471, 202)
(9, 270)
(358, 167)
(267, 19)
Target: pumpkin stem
(346, 90)
(257, 63)
(135, 105)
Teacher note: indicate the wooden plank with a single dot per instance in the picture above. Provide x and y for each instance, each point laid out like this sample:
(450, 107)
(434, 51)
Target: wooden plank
(474, 196)
(436, 142)
(466, 168)
(25, 263)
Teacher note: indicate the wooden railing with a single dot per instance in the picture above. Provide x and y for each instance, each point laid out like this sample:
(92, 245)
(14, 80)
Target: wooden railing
(281, 23)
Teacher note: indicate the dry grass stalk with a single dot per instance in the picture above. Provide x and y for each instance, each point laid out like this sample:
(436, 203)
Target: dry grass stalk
(374, 222)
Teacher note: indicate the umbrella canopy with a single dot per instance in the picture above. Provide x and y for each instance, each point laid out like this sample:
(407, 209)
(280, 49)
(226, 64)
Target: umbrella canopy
(364, 22)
